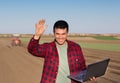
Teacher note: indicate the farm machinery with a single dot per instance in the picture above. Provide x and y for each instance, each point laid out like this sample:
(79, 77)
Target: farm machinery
(16, 41)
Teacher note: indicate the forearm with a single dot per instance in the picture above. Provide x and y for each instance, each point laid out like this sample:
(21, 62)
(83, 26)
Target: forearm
(32, 45)
(35, 48)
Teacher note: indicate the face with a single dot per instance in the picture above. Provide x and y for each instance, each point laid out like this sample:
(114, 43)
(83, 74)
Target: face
(60, 36)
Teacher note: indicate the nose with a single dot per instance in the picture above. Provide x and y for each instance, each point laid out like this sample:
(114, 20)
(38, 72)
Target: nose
(60, 36)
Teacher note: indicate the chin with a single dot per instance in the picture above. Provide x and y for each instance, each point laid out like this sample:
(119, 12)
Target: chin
(61, 43)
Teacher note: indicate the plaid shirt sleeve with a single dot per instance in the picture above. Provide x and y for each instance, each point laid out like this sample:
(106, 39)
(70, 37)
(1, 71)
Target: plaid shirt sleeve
(36, 49)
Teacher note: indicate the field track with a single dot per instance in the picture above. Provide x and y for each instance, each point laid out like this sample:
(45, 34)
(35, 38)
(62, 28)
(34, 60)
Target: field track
(18, 66)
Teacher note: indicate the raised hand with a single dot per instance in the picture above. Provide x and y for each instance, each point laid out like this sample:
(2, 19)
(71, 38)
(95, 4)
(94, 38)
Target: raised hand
(40, 28)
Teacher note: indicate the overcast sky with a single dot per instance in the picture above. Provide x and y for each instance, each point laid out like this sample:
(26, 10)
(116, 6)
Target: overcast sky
(83, 16)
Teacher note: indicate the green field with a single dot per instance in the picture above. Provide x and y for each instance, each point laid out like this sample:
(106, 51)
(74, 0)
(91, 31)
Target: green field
(101, 46)
(105, 38)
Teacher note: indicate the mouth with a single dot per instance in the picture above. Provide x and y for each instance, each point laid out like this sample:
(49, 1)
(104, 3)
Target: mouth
(60, 40)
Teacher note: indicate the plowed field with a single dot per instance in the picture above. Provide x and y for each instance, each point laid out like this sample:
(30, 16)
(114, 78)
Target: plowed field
(18, 66)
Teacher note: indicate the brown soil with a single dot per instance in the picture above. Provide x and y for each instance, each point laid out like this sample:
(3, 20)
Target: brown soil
(18, 66)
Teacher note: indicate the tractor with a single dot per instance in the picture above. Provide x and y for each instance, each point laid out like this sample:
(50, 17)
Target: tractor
(16, 41)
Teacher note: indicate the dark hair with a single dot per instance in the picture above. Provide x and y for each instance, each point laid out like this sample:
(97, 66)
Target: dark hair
(60, 24)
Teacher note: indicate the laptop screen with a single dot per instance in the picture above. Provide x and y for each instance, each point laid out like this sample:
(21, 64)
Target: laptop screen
(96, 69)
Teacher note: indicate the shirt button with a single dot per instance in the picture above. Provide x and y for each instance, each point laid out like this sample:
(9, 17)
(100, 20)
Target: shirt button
(76, 59)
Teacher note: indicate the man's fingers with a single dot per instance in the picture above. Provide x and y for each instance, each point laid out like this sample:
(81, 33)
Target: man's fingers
(42, 21)
(93, 78)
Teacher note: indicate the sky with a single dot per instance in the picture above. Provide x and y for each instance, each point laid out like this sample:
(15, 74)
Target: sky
(83, 16)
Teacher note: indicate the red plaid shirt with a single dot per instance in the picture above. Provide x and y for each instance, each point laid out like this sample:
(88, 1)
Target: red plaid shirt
(49, 52)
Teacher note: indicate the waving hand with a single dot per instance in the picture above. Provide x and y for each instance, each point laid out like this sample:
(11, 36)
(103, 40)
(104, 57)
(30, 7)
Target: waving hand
(40, 28)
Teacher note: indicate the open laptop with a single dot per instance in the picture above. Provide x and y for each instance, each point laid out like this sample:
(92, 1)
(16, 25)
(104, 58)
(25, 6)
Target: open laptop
(96, 69)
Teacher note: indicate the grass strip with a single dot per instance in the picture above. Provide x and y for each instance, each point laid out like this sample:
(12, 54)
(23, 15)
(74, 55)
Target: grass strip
(101, 46)
(105, 38)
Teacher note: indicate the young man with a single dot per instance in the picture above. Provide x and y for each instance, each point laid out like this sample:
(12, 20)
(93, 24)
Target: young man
(62, 57)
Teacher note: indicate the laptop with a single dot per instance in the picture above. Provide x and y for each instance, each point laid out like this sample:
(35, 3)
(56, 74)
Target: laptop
(96, 69)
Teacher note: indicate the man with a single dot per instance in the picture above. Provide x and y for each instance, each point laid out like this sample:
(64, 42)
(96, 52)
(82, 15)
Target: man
(62, 57)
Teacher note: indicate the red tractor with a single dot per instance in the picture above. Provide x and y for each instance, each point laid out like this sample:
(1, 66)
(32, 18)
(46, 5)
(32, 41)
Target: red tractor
(16, 41)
